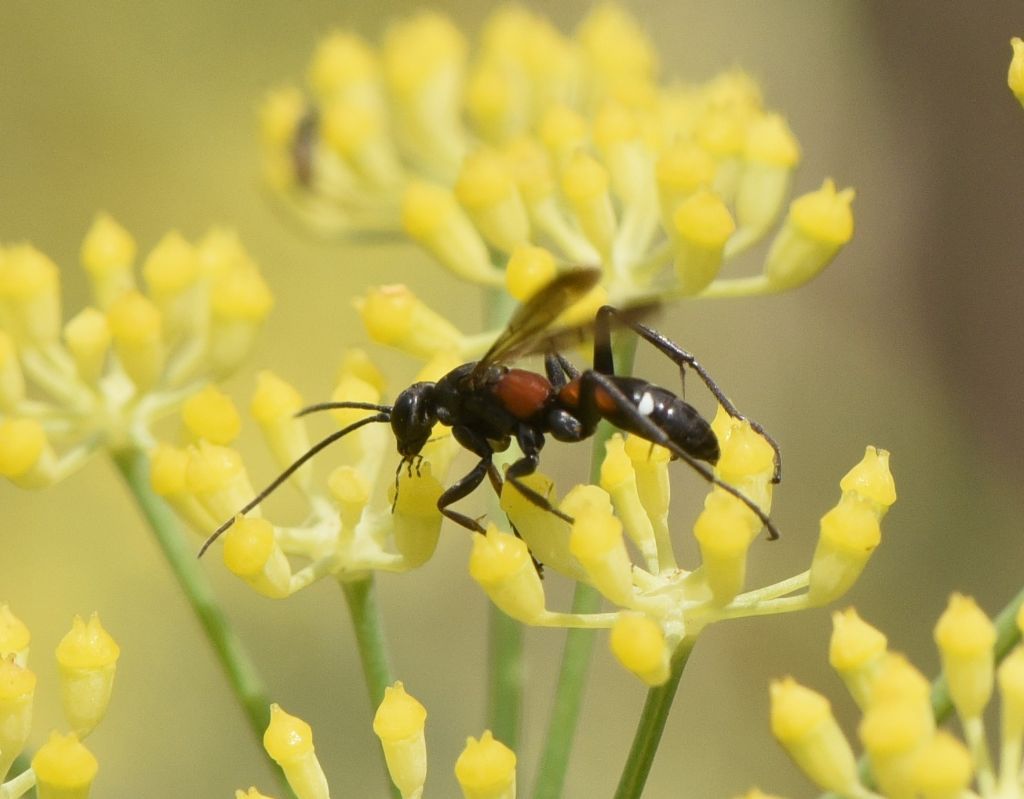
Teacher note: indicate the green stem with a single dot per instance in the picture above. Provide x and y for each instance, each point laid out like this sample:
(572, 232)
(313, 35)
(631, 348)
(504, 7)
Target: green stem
(1008, 635)
(238, 666)
(361, 598)
(579, 644)
(651, 726)
(504, 635)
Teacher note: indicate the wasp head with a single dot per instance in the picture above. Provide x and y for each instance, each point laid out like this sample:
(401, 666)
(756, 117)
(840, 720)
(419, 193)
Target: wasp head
(413, 418)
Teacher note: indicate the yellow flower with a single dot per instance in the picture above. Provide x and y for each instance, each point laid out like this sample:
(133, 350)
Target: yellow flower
(570, 142)
(907, 755)
(656, 603)
(119, 365)
(1015, 77)
(356, 522)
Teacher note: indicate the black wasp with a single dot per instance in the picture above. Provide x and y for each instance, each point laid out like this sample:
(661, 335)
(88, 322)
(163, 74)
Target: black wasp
(488, 404)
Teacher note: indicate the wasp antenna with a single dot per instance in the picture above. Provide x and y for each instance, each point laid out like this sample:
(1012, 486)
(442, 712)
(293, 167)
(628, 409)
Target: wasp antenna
(331, 406)
(288, 472)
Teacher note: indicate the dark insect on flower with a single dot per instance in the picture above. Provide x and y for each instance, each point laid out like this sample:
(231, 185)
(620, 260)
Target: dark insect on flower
(488, 404)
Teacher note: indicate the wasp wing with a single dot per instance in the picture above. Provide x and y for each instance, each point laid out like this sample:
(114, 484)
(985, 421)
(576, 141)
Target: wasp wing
(561, 338)
(530, 325)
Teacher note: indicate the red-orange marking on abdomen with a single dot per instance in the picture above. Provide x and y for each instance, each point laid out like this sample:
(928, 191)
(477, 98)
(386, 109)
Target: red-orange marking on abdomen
(522, 393)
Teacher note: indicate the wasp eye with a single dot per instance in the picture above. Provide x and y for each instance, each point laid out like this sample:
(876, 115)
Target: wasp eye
(413, 418)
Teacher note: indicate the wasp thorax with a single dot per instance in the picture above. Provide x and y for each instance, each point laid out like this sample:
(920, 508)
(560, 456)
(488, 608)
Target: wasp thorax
(413, 418)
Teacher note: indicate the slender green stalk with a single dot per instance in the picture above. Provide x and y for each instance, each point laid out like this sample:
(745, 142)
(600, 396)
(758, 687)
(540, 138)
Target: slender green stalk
(361, 598)
(504, 635)
(1007, 637)
(579, 644)
(651, 726)
(238, 666)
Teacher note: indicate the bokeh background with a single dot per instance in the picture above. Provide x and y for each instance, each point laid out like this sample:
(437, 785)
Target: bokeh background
(911, 341)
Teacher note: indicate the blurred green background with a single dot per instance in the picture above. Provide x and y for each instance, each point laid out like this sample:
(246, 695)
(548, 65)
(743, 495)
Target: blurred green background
(911, 341)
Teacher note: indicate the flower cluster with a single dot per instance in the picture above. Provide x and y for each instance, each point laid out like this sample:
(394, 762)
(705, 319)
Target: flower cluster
(544, 148)
(87, 660)
(907, 755)
(486, 769)
(101, 380)
(368, 514)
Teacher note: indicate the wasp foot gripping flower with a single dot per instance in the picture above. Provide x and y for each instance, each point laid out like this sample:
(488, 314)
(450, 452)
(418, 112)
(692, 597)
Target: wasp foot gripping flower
(545, 140)
(484, 770)
(115, 367)
(657, 603)
(372, 512)
(907, 755)
(62, 768)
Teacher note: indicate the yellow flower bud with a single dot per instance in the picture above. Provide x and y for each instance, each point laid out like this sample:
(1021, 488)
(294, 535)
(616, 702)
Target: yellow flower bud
(211, 414)
(899, 682)
(893, 733)
(486, 188)
(701, 225)
(771, 153)
(289, 742)
(546, 535)
(416, 523)
(618, 478)
(357, 131)
(64, 768)
(849, 534)
(650, 462)
(12, 381)
(682, 169)
(280, 113)
(943, 768)
(220, 252)
(497, 100)
(137, 329)
(724, 530)
(818, 225)
(108, 252)
(486, 769)
(803, 723)
(399, 723)
(239, 301)
(274, 405)
(87, 657)
(87, 336)
(639, 643)
(26, 458)
(252, 793)
(755, 793)
(965, 637)
(394, 316)
(340, 60)
(217, 477)
(529, 269)
(616, 46)
(170, 268)
(585, 186)
(30, 290)
(597, 543)
(856, 651)
(562, 132)
(251, 552)
(431, 216)
(531, 167)
(14, 636)
(1015, 77)
(167, 476)
(351, 491)
(872, 480)
(500, 563)
(1011, 691)
(17, 690)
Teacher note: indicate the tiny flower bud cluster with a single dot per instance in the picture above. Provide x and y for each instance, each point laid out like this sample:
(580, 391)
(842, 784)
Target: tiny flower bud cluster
(486, 768)
(620, 544)
(908, 756)
(367, 514)
(87, 660)
(101, 379)
(566, 145)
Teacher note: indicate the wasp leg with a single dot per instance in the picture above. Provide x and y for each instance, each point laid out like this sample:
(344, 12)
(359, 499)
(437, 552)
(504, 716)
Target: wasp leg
(592, 381)
(465, 486)
(682, 359)
(559, 370)
(530, 442)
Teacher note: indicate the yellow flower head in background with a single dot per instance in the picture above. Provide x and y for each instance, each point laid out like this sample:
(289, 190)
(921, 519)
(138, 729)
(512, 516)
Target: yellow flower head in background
(100, 380)
(534, 148)
(907, 755)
